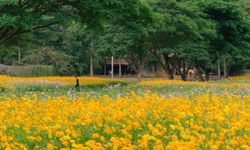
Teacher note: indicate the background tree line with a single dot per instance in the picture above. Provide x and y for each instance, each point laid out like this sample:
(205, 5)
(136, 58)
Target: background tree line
(78, 36)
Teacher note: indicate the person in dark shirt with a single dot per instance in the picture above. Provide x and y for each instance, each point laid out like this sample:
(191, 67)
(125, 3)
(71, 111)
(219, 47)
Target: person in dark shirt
(77, 86)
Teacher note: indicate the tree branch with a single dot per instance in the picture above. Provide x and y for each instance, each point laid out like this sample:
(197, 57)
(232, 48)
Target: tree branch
(20, 31)
(40, 27)
(158, 59)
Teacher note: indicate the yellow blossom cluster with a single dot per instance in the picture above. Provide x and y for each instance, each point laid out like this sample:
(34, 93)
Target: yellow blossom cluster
(4, 86)
(130, 122)
(243, 77)
(54, 80)
(168, 82)
(179, 82)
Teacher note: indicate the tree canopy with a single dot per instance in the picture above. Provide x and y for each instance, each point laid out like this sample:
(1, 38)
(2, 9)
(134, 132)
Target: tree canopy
(21, 16)
(176, 35)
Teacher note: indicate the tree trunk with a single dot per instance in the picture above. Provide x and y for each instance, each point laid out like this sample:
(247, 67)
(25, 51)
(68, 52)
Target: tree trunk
(165, 65)
(112, 67)
(195, 74)
(199, 73)
(169, 70)
(105, 70)
(153, 68)
(120, 69)
(91, 68)
(182, 69)
(139, 75)
(19, 55)
(207, 75)
(219, 69)
(184, 77)
(225, 68)
(170, 74)
(139, 71)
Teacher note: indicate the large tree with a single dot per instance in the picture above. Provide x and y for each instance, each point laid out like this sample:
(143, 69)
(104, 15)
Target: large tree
(233, 29)
(22, 16)
(182, 25)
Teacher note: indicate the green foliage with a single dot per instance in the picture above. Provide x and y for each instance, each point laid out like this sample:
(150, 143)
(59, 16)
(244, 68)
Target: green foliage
(8, 55)
(179, 34)
(82, 43)
(30, 70)
(233, 30)
(47, 56)
(19, 17)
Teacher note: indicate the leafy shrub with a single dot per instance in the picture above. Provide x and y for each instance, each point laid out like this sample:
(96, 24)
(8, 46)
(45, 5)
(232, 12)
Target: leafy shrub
(51, 57)
(30, 70)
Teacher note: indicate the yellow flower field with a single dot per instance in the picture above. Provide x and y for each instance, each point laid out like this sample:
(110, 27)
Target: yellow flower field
(5, 86)
(129, 122)
(179, 82)
(54, 80)
(170, 119)
(9, 82)
(243, 77)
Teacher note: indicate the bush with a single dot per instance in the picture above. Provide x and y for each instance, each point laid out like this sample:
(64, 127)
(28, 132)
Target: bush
(30, 70)
(50, 56)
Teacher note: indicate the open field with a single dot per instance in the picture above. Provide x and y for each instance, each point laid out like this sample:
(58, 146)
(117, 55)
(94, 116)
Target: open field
(126, 54)
(49, 113)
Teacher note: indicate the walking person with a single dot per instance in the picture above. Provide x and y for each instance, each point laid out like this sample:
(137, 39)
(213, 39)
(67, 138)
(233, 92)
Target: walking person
(77, 86)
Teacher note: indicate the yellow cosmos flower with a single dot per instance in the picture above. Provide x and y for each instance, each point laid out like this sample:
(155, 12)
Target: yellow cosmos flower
(204, 121)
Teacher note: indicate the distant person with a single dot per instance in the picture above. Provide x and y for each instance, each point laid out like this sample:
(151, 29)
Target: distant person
(77, 84)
